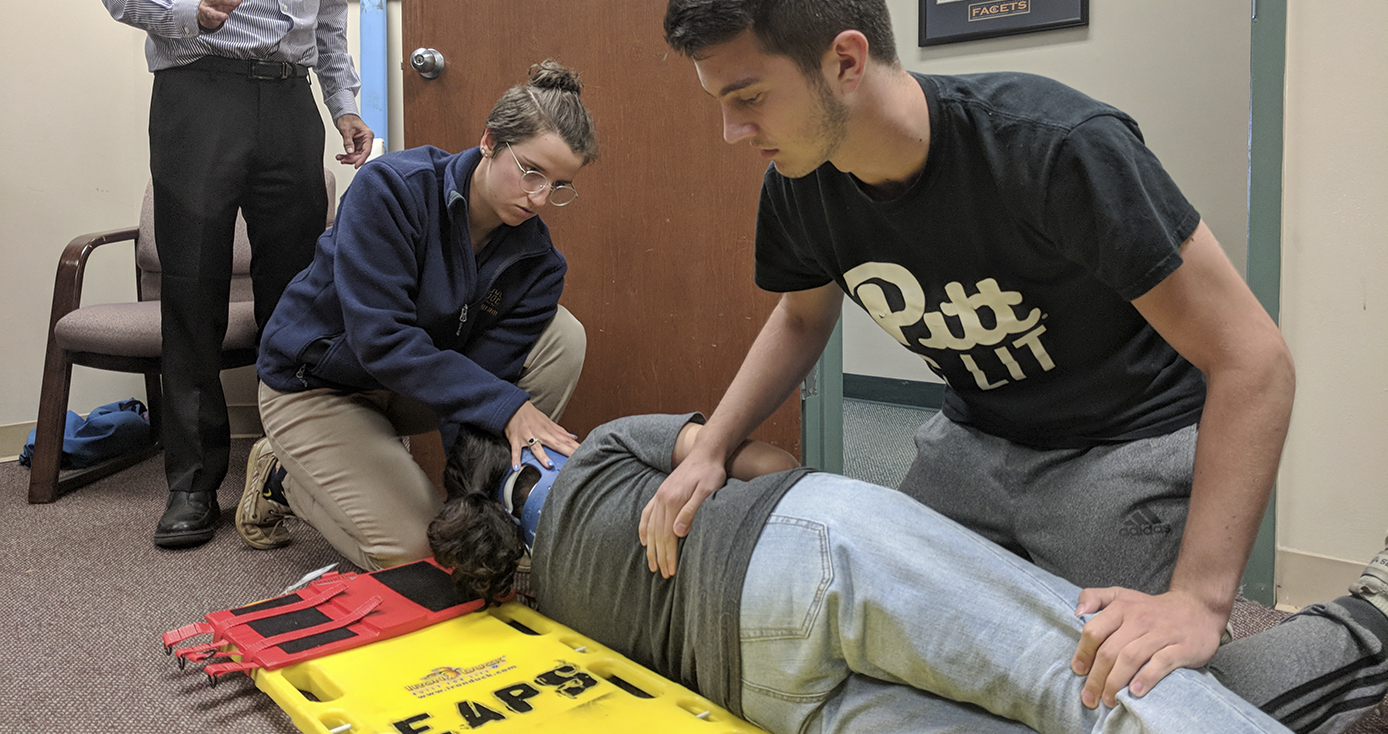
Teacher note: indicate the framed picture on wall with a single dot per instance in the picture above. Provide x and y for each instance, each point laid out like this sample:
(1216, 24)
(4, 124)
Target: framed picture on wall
(951, 21)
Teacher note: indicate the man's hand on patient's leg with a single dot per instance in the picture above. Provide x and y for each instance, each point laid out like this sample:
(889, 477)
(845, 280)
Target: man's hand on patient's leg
(1137, 638)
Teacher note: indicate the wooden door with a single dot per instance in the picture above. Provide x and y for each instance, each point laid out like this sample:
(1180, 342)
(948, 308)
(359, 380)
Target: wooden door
(659, 242)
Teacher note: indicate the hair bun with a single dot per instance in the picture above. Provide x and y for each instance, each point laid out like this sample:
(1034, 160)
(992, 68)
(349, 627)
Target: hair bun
(550, 74)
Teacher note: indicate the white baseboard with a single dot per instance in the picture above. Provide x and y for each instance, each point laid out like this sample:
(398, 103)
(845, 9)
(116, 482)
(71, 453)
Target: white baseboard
(244, 419)
(12, 438)
(1306, 578)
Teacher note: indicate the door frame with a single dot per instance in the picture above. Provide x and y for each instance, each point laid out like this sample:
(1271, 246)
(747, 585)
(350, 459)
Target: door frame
(1267, 70)
(821, 408)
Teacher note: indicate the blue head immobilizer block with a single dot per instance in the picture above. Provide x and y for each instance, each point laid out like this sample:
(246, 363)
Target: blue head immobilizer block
(529, 516)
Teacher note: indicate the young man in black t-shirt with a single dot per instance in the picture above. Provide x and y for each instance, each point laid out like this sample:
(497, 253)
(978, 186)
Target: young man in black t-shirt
(1022, 240)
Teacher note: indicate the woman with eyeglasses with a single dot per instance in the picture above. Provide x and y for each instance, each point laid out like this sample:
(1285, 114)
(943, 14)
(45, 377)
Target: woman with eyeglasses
(432, 303)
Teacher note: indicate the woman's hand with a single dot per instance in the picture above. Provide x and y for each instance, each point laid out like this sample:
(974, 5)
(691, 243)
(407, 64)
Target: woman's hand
(530, 427)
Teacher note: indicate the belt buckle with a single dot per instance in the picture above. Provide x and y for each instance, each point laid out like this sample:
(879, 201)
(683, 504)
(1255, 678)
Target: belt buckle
(271, 70)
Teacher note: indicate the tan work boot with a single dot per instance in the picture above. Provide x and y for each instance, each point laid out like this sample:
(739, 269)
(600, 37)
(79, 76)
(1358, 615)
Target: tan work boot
(259, 519)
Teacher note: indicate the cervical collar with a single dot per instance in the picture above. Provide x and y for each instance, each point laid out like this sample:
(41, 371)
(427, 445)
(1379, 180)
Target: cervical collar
(526, 509)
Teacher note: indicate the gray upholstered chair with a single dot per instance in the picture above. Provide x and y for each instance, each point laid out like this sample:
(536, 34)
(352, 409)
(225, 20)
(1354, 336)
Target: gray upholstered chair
(124, 337)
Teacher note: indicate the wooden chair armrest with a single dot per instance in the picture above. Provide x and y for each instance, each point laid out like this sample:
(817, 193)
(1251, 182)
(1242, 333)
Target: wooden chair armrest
(72, 266)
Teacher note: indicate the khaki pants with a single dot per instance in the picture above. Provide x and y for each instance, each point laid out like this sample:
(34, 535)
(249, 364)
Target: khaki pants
(351, 477)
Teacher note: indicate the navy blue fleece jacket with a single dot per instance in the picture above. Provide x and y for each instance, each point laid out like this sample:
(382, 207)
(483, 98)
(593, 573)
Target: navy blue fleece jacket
(395, 298)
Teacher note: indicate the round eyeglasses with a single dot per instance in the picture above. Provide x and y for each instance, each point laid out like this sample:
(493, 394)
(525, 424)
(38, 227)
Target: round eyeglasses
(533, 182)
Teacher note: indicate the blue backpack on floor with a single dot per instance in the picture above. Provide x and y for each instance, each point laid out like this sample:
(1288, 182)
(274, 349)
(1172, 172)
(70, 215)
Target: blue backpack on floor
(107, 432)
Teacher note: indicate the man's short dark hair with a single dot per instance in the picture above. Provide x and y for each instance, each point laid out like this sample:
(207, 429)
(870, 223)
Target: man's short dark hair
(799, 29)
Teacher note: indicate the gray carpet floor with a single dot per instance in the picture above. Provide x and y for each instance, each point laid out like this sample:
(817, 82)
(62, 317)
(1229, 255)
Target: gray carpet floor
(87, 597)
(879, 440)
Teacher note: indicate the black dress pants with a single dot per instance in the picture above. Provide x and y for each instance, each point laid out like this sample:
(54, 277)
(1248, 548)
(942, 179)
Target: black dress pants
(220, 142)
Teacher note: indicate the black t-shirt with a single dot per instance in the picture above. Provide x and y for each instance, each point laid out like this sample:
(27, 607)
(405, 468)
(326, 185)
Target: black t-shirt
(1009, 264)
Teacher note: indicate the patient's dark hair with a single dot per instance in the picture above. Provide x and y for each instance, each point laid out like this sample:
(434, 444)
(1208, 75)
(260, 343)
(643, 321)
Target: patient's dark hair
(473, 535)
(800, 29)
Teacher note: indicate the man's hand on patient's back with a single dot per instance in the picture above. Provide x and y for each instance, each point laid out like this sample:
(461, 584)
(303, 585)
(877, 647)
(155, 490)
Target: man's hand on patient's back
(213, 13)
(1136, 639)
(669, 514)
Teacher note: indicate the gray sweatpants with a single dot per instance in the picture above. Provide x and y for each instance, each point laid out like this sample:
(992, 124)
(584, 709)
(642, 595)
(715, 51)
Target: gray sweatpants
(1318, 671)
(1105, 516)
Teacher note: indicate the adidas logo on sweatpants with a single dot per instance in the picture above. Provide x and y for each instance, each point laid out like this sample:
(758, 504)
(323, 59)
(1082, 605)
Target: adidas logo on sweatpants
(1143, 522)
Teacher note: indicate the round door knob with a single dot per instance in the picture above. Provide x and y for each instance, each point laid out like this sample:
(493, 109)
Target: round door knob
(427, 61)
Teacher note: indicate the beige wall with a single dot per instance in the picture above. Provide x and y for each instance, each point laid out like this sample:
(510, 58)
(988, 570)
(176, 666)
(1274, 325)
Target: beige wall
(76, 160)
(1180, 67)
(1333, 490)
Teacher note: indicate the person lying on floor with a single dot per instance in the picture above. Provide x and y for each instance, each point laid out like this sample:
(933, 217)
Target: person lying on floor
(808, 601)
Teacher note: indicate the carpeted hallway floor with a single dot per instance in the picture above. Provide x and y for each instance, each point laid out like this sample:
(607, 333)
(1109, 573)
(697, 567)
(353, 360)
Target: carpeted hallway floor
(87, 596)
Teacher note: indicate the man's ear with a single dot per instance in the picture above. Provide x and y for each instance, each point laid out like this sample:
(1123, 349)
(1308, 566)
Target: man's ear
(846, 61)
(487, 145)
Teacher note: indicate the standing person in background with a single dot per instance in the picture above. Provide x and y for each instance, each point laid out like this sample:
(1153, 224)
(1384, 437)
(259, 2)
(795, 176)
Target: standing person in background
(232, 126)
(1022, 239)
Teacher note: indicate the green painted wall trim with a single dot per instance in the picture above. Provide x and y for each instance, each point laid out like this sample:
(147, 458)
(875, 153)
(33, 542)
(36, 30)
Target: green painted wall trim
(821, 409)
(891, 391)
(1267, 69)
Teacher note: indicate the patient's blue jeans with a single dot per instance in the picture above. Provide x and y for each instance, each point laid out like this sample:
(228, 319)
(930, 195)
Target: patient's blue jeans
(865, 611)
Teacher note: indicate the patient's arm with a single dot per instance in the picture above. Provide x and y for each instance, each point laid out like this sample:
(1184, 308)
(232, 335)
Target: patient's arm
(752, 459)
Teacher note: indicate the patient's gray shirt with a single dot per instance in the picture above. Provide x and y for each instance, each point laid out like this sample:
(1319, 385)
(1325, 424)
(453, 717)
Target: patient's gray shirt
(589, 570)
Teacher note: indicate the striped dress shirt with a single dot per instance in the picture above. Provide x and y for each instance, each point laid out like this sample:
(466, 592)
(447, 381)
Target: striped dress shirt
(308, 32)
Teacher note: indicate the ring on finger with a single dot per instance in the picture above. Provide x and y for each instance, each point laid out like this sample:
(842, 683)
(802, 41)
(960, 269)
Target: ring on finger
(531, 441)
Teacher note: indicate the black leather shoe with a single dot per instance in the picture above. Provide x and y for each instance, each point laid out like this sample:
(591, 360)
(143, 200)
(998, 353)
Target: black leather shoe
(190, 518)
